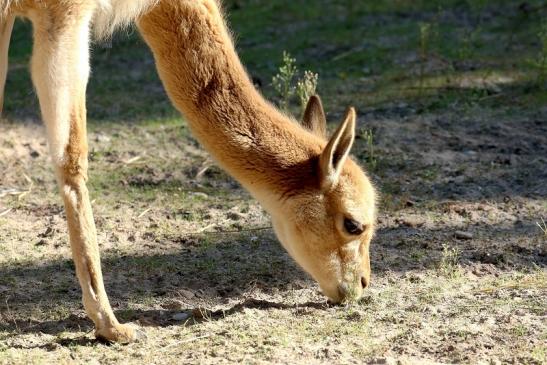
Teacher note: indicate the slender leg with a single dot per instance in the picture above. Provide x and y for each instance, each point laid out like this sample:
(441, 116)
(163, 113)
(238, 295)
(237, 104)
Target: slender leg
(60, 70)
(6, 26)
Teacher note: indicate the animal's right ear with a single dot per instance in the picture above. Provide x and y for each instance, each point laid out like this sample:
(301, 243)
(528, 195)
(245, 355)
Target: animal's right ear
(314, 117)
(335, 154)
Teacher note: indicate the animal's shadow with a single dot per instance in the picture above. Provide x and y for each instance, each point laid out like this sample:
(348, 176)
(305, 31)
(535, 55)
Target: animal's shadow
(145, 318)
(216, 273)
(223, 272)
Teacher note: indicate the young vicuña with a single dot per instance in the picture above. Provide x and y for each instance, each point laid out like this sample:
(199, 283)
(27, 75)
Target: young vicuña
(321, 203)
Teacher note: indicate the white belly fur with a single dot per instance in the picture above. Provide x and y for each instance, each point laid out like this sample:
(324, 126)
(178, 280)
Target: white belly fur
(113, 14)
(109, 14)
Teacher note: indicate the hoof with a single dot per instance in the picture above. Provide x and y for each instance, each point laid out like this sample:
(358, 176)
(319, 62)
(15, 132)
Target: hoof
(122, 333)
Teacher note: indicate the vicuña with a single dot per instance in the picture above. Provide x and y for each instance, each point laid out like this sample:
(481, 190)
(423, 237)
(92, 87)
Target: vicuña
(321, 203)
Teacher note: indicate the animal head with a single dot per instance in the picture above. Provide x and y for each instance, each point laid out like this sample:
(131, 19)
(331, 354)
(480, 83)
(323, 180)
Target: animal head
(327, 227)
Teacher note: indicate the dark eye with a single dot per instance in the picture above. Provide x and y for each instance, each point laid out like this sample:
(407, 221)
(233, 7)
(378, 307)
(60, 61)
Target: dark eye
(353, 227)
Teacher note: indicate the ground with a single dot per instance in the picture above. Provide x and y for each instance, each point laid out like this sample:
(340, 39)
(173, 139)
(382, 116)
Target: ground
(454, 95)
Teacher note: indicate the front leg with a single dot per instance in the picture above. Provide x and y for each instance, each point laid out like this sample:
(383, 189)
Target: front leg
(6, 26)
(60, 69)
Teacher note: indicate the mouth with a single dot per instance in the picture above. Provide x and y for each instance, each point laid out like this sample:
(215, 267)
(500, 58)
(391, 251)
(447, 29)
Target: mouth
(347, 292)
(350, 293)
(344, 293)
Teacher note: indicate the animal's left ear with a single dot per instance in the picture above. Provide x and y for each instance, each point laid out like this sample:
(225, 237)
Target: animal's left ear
(337, 150)
(314, 117)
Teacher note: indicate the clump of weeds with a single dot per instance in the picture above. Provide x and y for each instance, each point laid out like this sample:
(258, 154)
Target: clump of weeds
(449, 264)
(541, 60)
(370, 159)
(287, 84)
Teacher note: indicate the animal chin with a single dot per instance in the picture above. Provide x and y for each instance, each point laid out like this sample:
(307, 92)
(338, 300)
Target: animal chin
(332, 295)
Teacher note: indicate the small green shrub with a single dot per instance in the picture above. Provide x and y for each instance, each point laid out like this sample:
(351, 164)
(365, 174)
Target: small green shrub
(468, 44)
(370, 158)
(541, 62)
(543, 227)
(287, 85)
(283, 81)
(449, 265)
(306, 87)
(425, 35)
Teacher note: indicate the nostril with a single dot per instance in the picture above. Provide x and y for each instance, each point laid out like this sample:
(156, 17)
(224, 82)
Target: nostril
(364, 282)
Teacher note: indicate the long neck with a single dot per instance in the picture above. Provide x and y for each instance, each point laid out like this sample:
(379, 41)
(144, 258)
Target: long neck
(196, 60)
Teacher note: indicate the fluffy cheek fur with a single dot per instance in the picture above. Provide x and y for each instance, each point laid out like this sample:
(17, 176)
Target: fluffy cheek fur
(312, 237)
(309, 236)
(312, 254)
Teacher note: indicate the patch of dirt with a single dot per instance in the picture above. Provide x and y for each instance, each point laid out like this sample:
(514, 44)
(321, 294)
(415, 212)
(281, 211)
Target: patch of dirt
(203, 267)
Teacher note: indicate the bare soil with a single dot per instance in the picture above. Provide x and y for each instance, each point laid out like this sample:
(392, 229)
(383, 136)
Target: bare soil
(459, 261)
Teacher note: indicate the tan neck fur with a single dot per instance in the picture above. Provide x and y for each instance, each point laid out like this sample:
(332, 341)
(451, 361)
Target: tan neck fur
(258, 145)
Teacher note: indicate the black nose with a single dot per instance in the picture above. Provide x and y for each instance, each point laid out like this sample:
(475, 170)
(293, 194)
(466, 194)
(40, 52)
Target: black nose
(364, 282)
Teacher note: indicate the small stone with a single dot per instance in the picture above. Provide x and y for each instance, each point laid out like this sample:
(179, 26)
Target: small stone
(201, 313)
(462, 235)
(42, 242)
(236, 226)
(48, 233)
(235, 216)
(208, 293)
(410, 203)
(384, 360)
(180, 316)
(100, 137)
(492, 258)
(199, 194)
(411, 222)
(173, 305)
(186, 293)
(52, 346)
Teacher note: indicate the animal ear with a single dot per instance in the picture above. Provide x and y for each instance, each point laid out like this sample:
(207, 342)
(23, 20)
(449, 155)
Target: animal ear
(337, 150)
(314, 117)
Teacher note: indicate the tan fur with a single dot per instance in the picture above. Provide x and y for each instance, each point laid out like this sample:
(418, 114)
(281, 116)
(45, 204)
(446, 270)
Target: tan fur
(6, 26)
(307, 184)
